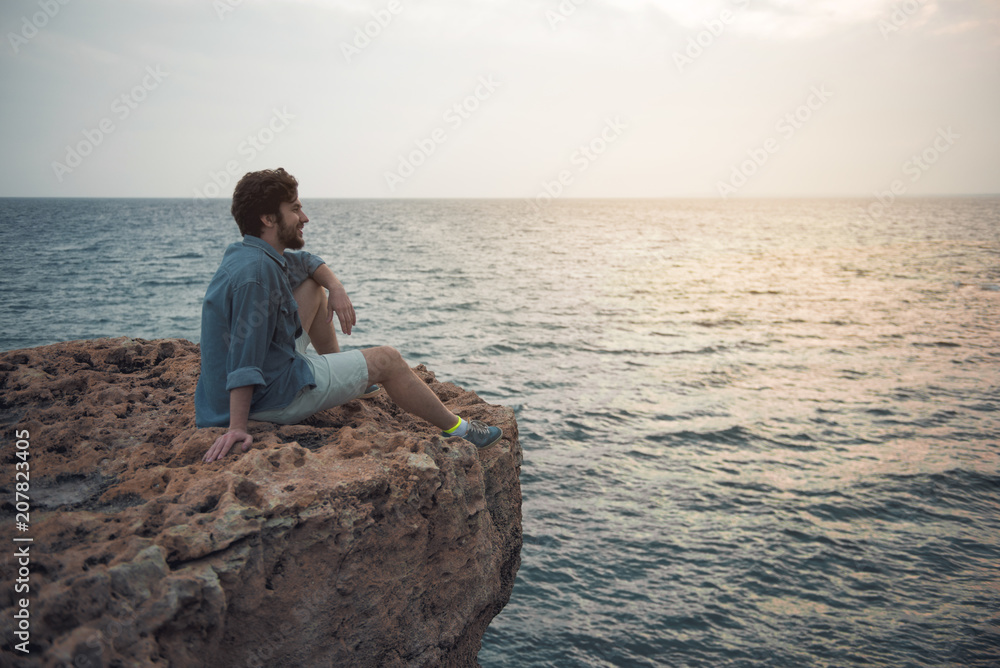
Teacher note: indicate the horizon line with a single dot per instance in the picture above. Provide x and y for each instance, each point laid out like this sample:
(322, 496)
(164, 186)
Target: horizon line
(530, 199)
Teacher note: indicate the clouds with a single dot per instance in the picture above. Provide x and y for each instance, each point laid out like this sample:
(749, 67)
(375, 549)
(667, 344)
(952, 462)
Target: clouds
(232, 64)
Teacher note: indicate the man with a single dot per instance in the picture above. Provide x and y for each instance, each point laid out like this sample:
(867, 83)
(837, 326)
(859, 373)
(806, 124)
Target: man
(262, 308)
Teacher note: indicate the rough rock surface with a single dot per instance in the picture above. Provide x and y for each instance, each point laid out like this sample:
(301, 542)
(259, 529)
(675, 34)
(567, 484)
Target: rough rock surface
(358, 538)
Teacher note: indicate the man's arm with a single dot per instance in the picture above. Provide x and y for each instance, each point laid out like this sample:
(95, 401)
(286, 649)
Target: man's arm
(338, 300)
(239, 415)
(251, 321)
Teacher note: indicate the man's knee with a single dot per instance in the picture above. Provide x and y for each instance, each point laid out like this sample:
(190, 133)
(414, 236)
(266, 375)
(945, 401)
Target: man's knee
(309, 291)
(383, 362)
(311, 298)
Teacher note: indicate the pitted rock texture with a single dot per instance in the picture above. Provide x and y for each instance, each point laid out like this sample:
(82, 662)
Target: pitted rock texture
(357, 538)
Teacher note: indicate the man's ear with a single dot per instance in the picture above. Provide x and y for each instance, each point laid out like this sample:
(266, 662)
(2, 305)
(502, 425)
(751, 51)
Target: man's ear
(268, 219)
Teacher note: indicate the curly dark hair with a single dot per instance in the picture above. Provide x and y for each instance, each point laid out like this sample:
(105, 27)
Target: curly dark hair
(260, 194)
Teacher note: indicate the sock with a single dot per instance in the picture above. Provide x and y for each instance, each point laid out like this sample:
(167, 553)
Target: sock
(459, 429)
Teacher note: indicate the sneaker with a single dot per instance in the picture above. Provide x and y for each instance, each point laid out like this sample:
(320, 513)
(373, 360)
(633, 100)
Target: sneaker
(480, 434)
(371, 391)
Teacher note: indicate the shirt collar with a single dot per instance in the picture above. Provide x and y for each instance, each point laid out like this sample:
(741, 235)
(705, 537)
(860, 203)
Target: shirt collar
(257, 242)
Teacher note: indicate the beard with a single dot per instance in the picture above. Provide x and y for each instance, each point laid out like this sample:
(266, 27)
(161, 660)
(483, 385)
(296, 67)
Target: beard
(288, 236)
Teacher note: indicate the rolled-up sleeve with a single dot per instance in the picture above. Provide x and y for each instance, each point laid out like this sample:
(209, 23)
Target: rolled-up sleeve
(301, 265)
(252, 320)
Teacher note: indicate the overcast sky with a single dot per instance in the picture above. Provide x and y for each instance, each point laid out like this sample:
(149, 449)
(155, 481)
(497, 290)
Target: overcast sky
(480, 98)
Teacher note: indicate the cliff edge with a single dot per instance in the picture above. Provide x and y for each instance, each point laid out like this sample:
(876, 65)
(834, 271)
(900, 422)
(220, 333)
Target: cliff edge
(358, 538)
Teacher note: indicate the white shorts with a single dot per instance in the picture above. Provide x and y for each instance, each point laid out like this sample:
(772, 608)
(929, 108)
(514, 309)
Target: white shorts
(340, 377)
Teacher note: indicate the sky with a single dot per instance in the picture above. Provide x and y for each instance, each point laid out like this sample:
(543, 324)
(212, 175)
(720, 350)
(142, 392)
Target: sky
(497, 98)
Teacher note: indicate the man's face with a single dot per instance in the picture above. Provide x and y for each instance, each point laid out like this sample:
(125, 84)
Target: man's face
(291, 220)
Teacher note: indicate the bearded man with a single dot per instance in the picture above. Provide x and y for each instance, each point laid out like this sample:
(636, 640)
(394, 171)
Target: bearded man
(266, 303)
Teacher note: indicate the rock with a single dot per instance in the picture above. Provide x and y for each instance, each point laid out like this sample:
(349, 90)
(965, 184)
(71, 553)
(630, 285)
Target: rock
(358, 538)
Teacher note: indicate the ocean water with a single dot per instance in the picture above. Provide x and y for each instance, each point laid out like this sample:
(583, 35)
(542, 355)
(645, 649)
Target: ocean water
(756, 432)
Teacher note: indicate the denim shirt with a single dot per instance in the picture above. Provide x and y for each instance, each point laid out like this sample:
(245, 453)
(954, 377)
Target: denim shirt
(249, 322)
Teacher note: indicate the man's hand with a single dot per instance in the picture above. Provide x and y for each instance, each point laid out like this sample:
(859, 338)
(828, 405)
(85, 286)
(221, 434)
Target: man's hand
(225, 442)
(340, 303)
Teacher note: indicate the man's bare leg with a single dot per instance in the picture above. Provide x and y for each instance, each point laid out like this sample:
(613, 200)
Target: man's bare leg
(385, 365)
(388, 368)
(313, 312)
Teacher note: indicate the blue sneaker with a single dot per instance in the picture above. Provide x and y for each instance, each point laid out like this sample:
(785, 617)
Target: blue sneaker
(480, 434)
(373, 390)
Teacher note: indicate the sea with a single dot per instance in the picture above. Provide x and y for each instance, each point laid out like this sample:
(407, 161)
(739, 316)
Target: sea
(756, 432)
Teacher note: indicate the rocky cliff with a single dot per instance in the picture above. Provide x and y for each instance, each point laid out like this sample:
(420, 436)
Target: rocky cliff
(358, 538)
